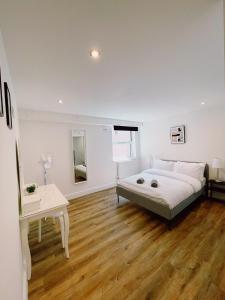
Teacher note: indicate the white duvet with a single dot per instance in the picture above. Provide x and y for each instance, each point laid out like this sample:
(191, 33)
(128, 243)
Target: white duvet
(172, 188)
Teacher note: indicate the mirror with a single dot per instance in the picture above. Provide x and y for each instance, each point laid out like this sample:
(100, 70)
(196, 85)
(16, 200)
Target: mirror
(79, 156)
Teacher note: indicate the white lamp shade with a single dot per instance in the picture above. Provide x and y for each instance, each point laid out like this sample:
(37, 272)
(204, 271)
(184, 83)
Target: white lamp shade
(217, 163)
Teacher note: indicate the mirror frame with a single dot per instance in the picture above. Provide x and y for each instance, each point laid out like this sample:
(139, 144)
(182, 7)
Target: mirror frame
(74, 132)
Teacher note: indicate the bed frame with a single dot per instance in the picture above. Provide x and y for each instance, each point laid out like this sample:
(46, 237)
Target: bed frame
(158, 208)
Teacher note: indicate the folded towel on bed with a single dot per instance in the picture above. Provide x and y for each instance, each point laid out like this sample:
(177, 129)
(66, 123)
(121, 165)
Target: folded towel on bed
(154, 183)
(140, 180)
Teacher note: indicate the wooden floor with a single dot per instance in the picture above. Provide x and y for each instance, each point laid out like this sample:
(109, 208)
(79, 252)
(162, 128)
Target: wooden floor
(126, 252)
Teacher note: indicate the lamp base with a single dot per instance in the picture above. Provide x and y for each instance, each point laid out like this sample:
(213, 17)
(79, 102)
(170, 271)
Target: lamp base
(218, 176)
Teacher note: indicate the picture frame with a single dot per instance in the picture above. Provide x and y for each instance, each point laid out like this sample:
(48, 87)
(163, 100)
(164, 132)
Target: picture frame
(8, 106)
(18, 178)
(1, 96)
(177, 134)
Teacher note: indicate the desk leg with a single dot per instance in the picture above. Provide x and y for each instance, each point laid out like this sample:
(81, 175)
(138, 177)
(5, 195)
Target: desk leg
(66, 236)
(62, 229)
(25, 247)
(39, 230)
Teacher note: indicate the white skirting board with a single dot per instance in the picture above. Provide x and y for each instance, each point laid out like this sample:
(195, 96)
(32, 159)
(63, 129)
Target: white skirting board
(89, 191)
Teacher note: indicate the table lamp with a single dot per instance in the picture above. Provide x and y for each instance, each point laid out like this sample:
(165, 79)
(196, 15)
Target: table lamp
(217, 163)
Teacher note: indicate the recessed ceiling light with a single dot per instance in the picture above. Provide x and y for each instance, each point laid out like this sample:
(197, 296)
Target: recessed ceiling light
(95, 53)
(202, 103)
(60, 101)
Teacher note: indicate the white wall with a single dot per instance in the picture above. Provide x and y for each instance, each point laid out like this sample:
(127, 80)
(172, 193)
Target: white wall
(52, 133)
(205, 137)
(10, 250)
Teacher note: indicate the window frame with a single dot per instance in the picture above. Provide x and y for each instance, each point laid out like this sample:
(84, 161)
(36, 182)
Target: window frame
(131, 143)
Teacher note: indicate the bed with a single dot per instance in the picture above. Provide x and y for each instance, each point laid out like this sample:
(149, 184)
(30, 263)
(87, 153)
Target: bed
(175, 192)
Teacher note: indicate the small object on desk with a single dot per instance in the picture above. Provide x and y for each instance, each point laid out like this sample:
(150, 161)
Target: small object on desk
(140, 180)
(215, 186)
(30, 188)
(154, 183)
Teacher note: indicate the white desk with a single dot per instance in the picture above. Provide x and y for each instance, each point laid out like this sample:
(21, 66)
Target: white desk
(52, 202)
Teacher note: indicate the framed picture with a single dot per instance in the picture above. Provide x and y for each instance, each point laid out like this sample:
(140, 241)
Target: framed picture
(1, 97)
(18, 179)
(177, 134)
(8, 106)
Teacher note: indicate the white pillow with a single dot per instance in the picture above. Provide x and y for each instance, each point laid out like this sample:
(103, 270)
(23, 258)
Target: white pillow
(195, 170)
(163, 165)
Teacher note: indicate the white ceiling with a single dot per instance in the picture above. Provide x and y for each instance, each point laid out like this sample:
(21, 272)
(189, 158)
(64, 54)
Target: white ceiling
(159, 57)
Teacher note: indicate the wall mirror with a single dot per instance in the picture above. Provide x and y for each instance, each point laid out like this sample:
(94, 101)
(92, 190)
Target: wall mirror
(79, 156)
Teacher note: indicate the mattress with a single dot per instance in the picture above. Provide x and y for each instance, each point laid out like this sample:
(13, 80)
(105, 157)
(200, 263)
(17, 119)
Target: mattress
(172, 188)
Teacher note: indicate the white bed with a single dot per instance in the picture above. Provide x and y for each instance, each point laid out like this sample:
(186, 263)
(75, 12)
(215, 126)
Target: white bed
(179, 184)
(172, 188)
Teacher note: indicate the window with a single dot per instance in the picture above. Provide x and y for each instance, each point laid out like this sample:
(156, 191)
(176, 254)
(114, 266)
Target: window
(123, 145)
